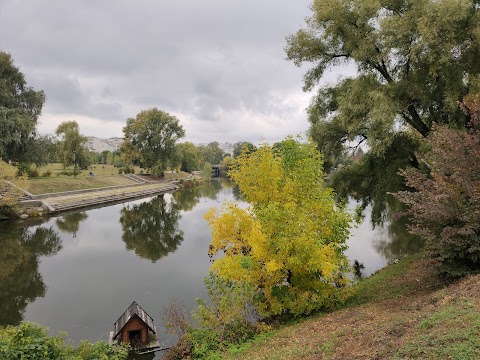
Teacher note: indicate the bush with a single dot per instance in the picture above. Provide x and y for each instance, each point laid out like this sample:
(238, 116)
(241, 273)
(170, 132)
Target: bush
(158, 170)
(129, 170)
(47, 173)
(22, 169)
(445, 204)
(32, 172)
(30, 341)
(120, 170)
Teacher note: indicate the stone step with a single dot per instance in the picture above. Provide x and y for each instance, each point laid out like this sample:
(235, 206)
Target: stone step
(68, 205)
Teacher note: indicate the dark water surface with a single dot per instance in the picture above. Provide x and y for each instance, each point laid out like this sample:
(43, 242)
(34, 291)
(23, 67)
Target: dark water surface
(79, 272)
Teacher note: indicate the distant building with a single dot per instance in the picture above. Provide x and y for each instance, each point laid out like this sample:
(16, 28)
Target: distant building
(98, 145)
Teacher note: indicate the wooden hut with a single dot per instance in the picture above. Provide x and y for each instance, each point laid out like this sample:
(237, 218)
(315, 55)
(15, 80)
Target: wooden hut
(135, 327)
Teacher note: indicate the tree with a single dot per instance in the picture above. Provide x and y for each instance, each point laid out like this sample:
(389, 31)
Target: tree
(20, 107)
(72, 144)
(289, 244)
(445, 202)
(414, 61)
(211, 153)
(240, 146)
(188, 156)
(39, 150)
(150, 138)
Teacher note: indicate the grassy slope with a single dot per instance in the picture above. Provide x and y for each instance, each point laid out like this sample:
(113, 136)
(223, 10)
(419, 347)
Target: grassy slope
(105, 176)
(402, 312)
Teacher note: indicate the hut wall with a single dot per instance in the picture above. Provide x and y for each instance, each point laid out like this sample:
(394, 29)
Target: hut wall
(135, 324)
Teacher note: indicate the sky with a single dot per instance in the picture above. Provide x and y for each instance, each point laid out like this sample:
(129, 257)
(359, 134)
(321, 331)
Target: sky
(218, 65)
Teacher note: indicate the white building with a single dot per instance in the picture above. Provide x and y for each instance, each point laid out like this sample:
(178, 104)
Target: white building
(98, 145)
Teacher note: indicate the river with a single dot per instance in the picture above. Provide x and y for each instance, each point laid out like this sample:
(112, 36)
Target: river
(79, 271)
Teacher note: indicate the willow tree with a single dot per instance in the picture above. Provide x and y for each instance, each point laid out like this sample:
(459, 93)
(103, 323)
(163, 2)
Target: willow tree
(414, 62)
(288, 245)
(20, 107)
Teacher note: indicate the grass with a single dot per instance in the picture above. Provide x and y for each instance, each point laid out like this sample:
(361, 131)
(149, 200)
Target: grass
(404, 311)
(60, 184)
(99, 169)
(105, 176)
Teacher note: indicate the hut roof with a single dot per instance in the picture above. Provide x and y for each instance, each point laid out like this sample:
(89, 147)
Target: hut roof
(133, 309)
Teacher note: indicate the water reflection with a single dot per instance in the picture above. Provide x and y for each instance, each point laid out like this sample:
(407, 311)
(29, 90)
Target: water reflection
(188, 198)
(20, 280)
(397, 242)
(70, 223)
(151, 228)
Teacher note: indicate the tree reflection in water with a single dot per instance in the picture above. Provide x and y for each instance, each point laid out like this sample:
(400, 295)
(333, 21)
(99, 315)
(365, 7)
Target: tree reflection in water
(70, 223)
(151, 228)
(20, 281)
(186, 199)
(397, 242)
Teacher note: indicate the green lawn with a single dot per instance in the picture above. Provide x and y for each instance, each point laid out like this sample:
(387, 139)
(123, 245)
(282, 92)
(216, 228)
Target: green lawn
(105, 176)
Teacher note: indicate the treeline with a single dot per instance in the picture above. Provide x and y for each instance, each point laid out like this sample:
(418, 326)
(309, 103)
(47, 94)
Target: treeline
(151, 139)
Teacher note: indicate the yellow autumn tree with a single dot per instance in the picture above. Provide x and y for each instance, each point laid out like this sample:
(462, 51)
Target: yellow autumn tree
(289, 243)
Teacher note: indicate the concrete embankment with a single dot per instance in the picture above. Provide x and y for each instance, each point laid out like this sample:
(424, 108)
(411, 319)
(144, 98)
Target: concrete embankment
(71, 200)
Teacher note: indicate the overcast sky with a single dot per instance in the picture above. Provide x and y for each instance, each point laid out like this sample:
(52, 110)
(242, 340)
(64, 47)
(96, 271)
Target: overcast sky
(218, 65)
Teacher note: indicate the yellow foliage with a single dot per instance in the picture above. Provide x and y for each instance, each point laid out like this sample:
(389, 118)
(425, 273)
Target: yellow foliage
(9, 193)
(289, 244)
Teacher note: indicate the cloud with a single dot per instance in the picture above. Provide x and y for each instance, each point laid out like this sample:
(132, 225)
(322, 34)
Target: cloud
(218, 65)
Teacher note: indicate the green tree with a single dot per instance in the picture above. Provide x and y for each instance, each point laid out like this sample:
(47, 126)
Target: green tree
(289, 244)
(20, 107)
(150, 139)
(414, 61)
(188, 155)
(210, 153)
(72, 144)
(240, 146)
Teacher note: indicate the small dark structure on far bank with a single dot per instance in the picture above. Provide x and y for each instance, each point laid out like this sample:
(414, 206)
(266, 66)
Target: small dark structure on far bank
(135, 327)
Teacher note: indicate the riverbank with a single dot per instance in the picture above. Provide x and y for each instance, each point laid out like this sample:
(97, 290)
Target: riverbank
(404, 311)
(50, 196)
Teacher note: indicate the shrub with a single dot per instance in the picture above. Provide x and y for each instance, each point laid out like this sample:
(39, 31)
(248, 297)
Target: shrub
(30, 341)
(445, 204)
(32, 172)
(22, 169)
(120, 170)
(47, 173)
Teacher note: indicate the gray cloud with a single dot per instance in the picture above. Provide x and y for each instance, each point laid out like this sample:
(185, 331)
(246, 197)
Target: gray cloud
(212, 61)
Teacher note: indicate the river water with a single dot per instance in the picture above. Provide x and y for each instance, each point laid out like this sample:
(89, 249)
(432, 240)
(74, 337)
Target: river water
(78, 272)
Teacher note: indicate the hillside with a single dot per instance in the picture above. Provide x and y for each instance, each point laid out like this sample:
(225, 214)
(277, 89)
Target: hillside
(402, 312)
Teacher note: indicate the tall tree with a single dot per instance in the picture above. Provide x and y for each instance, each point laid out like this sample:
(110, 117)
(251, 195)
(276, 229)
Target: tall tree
(20, 107)
(414, 61)
(72, 144)
(150, 138)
